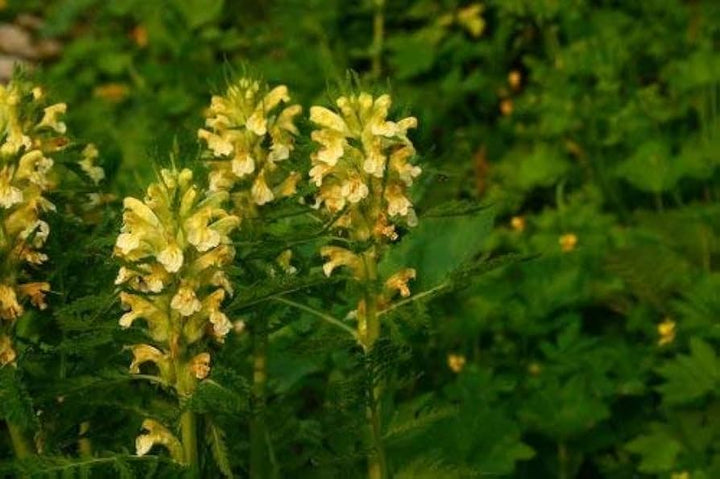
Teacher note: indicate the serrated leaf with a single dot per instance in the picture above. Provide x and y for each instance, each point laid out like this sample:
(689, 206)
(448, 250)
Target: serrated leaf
(689, 377)
(658, 450)
(216, 437)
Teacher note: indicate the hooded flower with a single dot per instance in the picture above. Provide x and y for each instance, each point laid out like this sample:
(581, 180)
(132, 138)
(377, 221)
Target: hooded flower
(154, 434)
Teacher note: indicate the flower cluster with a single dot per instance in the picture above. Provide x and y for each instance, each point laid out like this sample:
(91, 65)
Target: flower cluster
(31, 133)
(362, 167)
(248, 133)
(174, 246)
(362, 170)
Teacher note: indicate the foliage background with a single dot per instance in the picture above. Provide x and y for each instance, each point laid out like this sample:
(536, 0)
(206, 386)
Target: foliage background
(592, 118)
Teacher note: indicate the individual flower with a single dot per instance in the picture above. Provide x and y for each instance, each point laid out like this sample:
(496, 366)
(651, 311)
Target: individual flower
(88, 164)
(249, 131)
(399, 282)
(666, 332)
(154, 434)
(568, 242)
(456, 362)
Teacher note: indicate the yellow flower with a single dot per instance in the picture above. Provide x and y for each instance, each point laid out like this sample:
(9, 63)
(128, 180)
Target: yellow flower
(171, 257)
(399, 282)
(338, 256)
(144, 353)
(247, 132)
(157, 434)
(10, 309)
(185, 301)
(515, 79)
(360, 134)
(456, 362)
(666, 331)
(518, 223)
(7, 353)
(200, 366)
(36, 292)
(51, 118)
(568, 242)
(174, 244)
(9, 194)
(87, 164)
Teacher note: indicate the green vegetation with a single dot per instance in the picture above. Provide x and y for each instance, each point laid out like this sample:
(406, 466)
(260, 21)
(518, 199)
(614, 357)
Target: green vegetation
(540, 302)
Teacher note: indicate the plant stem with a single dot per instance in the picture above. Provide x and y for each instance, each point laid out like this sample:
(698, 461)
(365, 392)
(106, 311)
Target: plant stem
(258, 449)
(377, 467)
(84, 444)
(378, 38)
(188, 431)
(562, 453)
(20, 444)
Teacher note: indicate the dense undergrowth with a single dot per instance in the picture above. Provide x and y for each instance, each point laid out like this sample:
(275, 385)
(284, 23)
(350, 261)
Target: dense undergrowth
(384, 238)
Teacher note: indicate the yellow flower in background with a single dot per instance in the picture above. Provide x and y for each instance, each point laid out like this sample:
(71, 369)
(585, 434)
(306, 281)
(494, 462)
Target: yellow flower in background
(249, 132)
(456, 362)
(666, 331)
(471, 20)
(568, 242)
(518, 223)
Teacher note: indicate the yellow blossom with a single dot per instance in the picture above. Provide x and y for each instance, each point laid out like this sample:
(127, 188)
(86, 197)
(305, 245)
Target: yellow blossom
(36, 292)
(174, 243)
(666, 331)
(359, 133)
(456, 362)
(51, 119)
(247, 131)
(7, 353)
(155, 433)
(518, 223)
(568, 242)
(399, 282)
(144, 353)
(337, 256)
(200, 366)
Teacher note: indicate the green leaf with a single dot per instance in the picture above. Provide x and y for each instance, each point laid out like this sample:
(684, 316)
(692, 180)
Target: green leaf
(657, 449)
(689, 377)
(438, 246)
(200, 12)
(216, 437)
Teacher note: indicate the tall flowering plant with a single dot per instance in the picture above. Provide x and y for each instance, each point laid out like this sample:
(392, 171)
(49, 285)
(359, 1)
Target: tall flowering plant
(249, 140)
(174, 247)
(362, 169)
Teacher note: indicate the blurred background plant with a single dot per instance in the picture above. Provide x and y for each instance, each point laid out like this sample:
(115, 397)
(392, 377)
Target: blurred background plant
(590, 126)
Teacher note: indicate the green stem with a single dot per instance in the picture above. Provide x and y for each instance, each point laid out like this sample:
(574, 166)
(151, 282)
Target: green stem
(188, 431)
(326, 317)
(562, 453)
(258, 450)
(378, 38)
(377, 466)
(20, 444)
